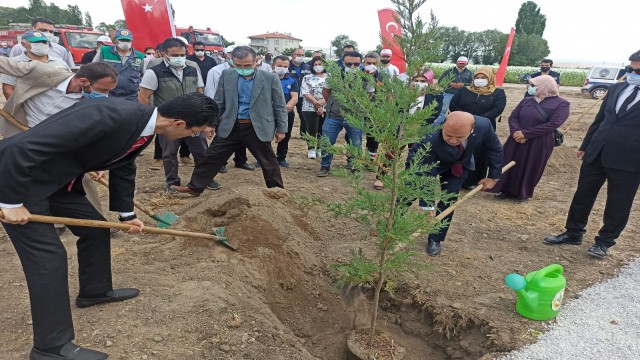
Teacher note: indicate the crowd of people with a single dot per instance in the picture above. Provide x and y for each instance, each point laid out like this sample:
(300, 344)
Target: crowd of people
(203, 108)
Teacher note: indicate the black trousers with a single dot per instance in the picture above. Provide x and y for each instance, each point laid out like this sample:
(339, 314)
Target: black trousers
(314, 124)
(221, 149)
(44, 262)
(372, 145)
(157, 150)
(240, 157)
(452, 185)
(303, 121)
(622, 187)
(283, 146)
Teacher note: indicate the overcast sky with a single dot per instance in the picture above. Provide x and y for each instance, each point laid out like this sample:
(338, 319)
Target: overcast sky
(577, 31)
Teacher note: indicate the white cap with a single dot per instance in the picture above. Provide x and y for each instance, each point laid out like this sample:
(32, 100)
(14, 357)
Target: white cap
(105, 40)
(183, 40)
(229, 48)
(463, 59)
(386, 52)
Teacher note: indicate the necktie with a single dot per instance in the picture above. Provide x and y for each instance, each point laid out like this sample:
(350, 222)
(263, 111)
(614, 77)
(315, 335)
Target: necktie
(456, 169)
(628, 101)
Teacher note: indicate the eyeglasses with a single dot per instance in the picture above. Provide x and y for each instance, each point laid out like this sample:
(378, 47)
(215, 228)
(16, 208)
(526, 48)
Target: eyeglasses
(630, 70)
(195, 133)
(352, 64)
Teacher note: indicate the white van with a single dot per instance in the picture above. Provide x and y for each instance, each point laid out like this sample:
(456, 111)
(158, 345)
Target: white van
(600, 79)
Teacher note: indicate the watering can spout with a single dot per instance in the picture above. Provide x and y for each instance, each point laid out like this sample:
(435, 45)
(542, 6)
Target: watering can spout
(518, 284)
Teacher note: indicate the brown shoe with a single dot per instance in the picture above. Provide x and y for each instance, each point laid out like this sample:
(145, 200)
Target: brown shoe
(156, 165)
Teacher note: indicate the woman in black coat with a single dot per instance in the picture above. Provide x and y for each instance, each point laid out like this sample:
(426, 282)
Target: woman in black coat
(482, 98)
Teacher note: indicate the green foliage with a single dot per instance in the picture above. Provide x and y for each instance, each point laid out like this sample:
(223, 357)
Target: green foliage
(528, 50)
(420, 41)
(484, 47)
(88, 21)
(71, 15)
(339, 42)
(530, 20)
(308, 53)
(110, 28)
(227, 42)
(288, 51)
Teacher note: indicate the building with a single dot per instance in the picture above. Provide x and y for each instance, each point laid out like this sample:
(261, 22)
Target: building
(274, 42)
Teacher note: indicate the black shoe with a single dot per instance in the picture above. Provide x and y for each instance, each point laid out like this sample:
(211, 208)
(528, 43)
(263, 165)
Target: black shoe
(258, 166)
(223, 170)
(564, 238)
(69, 351)
(469, 187)
(433, 248)
(111, 296)
(598, 251)
(500, 196)
(520, 199)
(214, 185)
(324, 171)
(283, 163)
(245, 166)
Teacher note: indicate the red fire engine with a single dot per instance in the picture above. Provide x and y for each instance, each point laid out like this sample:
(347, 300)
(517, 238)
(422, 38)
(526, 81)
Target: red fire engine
(212, 39)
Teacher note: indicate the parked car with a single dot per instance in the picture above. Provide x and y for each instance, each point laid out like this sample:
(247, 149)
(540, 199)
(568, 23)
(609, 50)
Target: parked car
(600, 79)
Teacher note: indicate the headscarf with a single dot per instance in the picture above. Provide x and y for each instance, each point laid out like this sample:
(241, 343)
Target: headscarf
(546, 86)
(491, 86)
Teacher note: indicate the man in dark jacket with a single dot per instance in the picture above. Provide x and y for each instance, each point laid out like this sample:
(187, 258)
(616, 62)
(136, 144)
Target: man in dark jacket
(609, 152)
(41, 174)
(460, 77)
(452, 149)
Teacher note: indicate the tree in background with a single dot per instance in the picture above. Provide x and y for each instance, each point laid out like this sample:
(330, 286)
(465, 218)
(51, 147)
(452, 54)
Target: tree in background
(108, 29)
(287, 51)
(308, 53)
(88, 21)
(38, 8)
(530, 20)
(490, 46)
(227, 42)
(339, 42)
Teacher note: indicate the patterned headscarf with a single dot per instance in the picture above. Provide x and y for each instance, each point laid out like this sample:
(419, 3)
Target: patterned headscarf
(546, 86)
(490, 88)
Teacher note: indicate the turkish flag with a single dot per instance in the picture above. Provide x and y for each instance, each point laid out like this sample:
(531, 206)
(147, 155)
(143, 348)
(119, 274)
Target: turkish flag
(502, 70)
(388, 28)
(150, 21)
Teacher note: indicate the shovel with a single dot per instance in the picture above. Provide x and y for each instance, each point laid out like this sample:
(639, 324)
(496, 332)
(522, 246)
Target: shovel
(164, 220)
(218, 237)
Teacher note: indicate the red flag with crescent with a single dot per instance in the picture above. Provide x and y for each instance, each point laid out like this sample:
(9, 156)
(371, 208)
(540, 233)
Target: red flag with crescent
(389, 28)
(502, 70)
(150, 21)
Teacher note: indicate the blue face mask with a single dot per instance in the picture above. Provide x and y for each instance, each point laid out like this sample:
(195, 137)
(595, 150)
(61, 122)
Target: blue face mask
(532, 90)
(93, 94)
(245, 72)
(633, 79)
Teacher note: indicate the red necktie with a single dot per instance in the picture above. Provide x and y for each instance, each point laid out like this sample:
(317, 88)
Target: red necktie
(141, 141)
(456, 169)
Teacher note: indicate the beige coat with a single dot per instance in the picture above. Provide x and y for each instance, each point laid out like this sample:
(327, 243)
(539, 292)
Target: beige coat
(33, 78)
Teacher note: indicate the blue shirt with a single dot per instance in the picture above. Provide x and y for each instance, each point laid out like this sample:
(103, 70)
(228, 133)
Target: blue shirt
(245, 88)
(289, 85)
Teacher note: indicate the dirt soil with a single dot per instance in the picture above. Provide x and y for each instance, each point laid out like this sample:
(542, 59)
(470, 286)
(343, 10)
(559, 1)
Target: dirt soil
(274, 298)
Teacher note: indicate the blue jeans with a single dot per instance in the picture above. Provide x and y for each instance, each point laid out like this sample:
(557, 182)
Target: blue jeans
(332, 128)
(446, 100)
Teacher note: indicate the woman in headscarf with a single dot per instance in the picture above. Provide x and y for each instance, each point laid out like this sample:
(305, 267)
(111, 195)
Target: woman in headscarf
(532, 125)
(482, 98)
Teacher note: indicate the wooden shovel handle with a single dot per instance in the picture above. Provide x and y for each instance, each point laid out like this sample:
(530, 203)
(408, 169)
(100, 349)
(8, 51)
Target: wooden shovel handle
(113, 225)
(13, 120)
(469, 195)
(136, 203)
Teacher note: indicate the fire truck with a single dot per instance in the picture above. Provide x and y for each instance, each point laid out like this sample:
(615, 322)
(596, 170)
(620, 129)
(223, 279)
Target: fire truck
(77, 39)
(212, 39)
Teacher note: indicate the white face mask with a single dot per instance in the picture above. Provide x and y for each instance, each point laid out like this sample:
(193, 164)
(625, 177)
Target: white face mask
(52, 38)
(177, 61)
(371, 68)
(124, 45)
(200, 53)
(280, 70)
(318, 68)
(420, 85)
(480, 82)
(298, 59)
(39, 49)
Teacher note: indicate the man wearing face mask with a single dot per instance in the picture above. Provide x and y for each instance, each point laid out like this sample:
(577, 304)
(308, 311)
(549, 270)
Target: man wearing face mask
(127, 61)
(459, 77)
(291, 90)
(385, 59)
(37, 47)
(298, 69)
(165, 81)
(4, 49)
(545, 69)
(609, 152)
(205, 63)
(90, 55)
(46, 27)
(261, 65)
(370, 64)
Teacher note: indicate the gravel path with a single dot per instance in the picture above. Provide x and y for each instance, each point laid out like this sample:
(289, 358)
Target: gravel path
(604, 323)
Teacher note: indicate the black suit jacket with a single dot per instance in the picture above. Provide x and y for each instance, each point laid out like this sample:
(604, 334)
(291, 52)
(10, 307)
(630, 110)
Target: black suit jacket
(85, 137)
(446, 156)
(616, 138)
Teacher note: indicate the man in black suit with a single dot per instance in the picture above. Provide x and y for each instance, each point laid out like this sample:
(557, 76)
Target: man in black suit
(609, 152)
(41, 174)
(452, 150)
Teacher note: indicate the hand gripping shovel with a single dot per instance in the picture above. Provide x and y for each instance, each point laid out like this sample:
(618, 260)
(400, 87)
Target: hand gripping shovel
(164, 220)
(218, 237)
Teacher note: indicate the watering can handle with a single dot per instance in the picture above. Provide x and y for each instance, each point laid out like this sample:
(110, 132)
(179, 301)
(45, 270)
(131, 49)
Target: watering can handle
(546, 270)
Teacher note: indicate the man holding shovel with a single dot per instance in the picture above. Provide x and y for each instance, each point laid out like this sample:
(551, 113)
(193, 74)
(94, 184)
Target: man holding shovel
(452, 150)
(40, 171)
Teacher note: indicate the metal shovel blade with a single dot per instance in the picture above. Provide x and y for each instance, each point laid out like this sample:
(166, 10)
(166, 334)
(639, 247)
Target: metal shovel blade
(219, 232)
(165, 220)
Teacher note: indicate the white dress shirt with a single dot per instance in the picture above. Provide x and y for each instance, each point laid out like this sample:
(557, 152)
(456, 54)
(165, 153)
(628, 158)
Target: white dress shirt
(212, 79)
(624, 94)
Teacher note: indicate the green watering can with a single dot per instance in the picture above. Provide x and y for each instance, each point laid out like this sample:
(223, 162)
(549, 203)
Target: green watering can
(540, 293)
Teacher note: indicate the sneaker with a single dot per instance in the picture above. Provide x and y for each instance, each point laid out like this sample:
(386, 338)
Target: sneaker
(170, 190)
(283, 163)
(187, 161)
(156, 164)
(324, 171)
(214, 185)
(223, 170)
(311, 154)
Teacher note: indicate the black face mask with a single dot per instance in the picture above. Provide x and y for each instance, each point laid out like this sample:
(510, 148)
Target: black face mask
(545, 68)
(385, 61)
